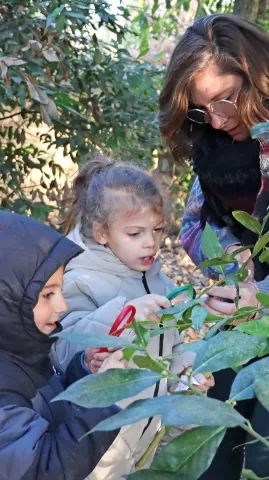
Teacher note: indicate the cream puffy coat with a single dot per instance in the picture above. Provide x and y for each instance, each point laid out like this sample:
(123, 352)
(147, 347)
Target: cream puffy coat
(96, 287)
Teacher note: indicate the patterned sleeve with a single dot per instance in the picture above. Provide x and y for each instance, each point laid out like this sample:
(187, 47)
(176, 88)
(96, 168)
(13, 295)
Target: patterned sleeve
(191, 229)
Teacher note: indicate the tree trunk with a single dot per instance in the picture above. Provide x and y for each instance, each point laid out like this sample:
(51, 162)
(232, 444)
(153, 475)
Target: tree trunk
(247, 8)
(263, 7)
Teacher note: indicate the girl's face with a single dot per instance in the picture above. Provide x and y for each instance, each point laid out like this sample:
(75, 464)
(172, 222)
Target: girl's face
(51, 304)
(210, 85)
(134, 239)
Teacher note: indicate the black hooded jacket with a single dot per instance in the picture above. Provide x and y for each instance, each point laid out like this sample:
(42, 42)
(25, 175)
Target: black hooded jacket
(38, 439)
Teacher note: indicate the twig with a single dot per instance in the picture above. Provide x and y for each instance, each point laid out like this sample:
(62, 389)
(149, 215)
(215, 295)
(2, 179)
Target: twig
(153, 445)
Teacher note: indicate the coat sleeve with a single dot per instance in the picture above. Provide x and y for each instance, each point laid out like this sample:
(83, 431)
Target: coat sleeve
(84, 318)
(191, 230)
(32, 449)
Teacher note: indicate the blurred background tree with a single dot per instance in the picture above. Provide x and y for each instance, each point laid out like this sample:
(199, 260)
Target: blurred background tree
(82, 76)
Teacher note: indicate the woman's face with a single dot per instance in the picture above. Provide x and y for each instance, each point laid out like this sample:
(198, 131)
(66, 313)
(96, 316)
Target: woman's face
(210, 85)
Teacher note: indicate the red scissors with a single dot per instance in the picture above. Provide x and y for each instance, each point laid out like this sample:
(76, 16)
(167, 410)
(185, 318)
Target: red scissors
(129, 311)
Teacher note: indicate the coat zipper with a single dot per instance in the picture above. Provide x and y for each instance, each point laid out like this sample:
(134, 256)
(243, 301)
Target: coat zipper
(157, 386)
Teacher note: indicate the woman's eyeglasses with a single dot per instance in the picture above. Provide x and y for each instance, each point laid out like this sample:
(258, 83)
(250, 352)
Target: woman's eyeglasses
(222, 108)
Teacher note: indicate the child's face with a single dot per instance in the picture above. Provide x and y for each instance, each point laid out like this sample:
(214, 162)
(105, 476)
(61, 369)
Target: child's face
(135, 239)
(51, 304)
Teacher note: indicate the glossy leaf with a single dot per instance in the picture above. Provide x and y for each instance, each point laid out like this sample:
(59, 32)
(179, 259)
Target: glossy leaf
(104, 389)
(150, 475)
(191, 453)
(264, 256)
(179, 308)
(248, 221)
(243, 384)
(228, 350)
(250, 475)
(255, 327)
(216, 262)
(261, 243)
(176, 410)
(53, 15)
(261, 387)
(210, 245)
(215, 328)
(198, 316)
(108, 341)
(194, 346)
(263, 298)
(142, 333)
(144, 361)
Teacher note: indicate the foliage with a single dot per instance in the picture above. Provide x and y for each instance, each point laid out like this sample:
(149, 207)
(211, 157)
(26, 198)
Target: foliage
(65, 65)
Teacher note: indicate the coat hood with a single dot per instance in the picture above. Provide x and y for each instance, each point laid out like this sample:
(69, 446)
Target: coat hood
(99, 258)
(30, 253)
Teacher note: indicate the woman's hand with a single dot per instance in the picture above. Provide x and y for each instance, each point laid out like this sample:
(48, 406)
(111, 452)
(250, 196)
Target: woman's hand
(242, 258)
(222, 299)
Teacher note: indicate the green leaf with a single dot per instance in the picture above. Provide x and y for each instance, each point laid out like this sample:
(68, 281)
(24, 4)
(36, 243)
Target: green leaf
(92, 391)
(264, 256)
(261, 387)
(210, 244)
(182, 325)
(261, 243)
(53, 15)
(142, 333)
(150, 475)
(228, 350)
(144, 361)
(108, 341)
(263, 298)
(194, 346)
(155, 6)
(77, 16)
(243, 384)
(249, 474)
(191, 453)
(211, 332)
(247, 221)
(255, 327)
(176, 410)
(215, 262)
(179, 308)
(198, 316)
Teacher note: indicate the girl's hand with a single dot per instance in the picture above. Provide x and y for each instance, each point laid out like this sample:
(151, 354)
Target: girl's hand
(147, 305)
(242, 258)
(115, 360)
(221, 300)
(93, 359)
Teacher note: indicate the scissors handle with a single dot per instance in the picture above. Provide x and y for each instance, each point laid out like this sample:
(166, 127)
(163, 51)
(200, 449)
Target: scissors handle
(178, 290)
(129, 311)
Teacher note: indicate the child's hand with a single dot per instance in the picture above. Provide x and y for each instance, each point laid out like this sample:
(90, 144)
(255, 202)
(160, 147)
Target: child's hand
(147, 306)
(93, 359)
(115, 360)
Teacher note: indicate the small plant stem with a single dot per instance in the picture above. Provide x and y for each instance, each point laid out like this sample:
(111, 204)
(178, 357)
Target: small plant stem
(252, 432)
(154, 444)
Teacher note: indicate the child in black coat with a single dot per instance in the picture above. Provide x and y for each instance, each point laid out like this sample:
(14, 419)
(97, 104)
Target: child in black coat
(39, 439)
